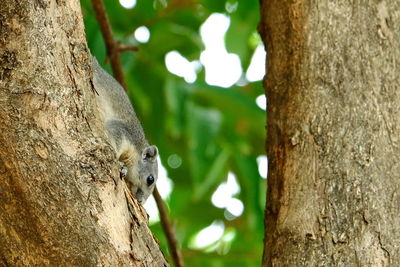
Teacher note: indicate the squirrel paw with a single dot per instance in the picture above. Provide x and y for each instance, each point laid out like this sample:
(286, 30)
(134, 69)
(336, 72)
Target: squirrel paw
(123, 172)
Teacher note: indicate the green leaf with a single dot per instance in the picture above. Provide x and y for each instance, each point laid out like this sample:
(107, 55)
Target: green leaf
(215, 175)
(203, 126)
(229, 100)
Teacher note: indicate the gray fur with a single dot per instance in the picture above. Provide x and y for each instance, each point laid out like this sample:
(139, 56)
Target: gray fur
(125, 133)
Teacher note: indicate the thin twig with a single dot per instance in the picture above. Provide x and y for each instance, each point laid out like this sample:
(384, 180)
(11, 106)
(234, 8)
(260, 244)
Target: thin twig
(172, 6)
(123, 48)
(112, 45)
(169, 232)
(113, 51)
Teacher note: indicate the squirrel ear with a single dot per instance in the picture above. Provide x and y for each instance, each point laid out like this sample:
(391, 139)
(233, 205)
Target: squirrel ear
(150, 153)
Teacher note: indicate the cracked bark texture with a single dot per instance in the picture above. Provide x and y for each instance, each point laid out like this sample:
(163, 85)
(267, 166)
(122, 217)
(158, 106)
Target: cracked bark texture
(60, 201)
(333, 90)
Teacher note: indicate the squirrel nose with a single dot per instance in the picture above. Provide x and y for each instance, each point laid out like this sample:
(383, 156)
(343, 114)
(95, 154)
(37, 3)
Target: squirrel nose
(150, 180)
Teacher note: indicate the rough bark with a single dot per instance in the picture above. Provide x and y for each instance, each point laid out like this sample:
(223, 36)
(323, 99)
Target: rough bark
(61, 203)
(333, 132)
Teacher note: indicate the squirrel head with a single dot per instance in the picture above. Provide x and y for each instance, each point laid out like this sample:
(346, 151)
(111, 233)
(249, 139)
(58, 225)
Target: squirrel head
(148, 174)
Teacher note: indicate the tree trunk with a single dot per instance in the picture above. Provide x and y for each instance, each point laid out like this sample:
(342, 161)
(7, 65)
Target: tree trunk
(333, 89)
(61, 201)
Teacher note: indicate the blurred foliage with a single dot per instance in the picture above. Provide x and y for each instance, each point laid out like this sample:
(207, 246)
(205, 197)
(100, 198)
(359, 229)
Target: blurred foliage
(212, 130)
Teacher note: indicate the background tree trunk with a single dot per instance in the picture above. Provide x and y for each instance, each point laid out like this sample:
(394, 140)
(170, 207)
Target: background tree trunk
(333, 133)
(60, 205)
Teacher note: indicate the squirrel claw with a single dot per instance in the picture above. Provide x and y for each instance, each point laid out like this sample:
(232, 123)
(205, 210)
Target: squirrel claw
(124, 172)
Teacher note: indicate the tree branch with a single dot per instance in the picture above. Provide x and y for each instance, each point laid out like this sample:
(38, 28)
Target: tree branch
(168, 230)
(63, 215)
(112, 46)
(123, 48)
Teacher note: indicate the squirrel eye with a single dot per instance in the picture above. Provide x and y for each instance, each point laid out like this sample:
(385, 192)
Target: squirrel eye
(150, 180)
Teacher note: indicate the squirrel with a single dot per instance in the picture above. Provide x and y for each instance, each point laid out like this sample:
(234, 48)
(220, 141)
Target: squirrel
(138, 159)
